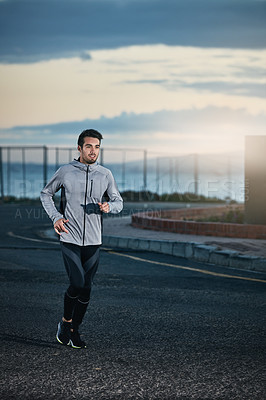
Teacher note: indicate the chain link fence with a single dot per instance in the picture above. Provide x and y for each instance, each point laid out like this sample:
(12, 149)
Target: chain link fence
(25, 170)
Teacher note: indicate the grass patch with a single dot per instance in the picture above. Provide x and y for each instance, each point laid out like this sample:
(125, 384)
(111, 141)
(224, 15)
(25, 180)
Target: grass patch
(232, 216)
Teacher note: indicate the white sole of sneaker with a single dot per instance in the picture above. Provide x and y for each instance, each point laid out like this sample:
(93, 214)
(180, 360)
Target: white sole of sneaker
(75, 347)
(65, 344)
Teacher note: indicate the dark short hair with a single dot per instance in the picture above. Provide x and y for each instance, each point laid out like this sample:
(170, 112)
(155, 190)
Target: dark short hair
(89, 133)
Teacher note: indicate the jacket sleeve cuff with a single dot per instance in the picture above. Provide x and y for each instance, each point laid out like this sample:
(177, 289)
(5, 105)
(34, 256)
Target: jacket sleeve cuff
(54, 219)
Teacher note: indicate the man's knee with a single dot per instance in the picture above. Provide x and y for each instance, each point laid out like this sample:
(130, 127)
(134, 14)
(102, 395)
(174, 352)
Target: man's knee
(77, 281)
(73, 291)
(85, 295)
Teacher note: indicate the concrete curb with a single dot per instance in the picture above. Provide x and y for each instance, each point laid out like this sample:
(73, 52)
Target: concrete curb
(191, 250)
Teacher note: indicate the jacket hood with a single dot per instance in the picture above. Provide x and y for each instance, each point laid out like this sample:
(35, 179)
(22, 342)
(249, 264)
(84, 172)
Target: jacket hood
(82, 166)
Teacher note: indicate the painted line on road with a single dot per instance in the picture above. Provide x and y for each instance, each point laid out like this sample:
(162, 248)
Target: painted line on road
(202, 271)
(30, 239)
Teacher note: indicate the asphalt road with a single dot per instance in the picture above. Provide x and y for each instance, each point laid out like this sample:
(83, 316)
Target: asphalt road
(158, 327)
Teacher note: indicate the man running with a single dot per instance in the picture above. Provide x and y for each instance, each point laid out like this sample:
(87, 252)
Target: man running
(83, 184)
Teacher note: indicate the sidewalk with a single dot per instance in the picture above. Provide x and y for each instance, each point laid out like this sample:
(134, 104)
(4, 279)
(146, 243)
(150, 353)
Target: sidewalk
(237, 253)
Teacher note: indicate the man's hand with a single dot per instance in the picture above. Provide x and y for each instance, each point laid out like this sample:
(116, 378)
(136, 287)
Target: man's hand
(59, 226)
(104, 207)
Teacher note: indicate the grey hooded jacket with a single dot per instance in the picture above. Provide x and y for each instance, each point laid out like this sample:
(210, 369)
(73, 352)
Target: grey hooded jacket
(82, 187)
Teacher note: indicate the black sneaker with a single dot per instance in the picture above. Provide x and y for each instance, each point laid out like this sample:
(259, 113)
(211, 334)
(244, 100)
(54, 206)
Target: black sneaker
(75, 340)
(63, 332)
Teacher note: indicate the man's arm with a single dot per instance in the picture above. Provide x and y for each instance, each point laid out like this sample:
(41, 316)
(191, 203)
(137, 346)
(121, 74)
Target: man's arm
(47, 194)
(115, 202)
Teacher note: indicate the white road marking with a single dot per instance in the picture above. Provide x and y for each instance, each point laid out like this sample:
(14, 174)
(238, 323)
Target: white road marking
(30, 239)
(202, 271)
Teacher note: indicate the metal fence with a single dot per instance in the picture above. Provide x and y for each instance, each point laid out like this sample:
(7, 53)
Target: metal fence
(25, 170)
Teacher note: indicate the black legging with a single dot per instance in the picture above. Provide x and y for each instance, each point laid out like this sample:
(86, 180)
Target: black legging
(81, 263)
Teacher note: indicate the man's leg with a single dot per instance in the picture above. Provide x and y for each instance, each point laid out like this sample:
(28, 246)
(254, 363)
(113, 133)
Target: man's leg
(81, 307)
(90, 262)
(72, 260)
(70, 300)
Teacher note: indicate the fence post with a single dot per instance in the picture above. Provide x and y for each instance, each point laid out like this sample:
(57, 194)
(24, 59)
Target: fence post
(101, 156)
(24, 171)
(1, 174)
(229, 176)
(124, 170)
(171, 174)
(8, 173)
(145, 170)
(158, 175)
(176, 171)
(56, 158)
(196, 173)
(44, 165)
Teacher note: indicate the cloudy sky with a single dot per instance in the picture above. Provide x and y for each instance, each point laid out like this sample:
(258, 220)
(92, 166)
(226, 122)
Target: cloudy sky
(172, 76)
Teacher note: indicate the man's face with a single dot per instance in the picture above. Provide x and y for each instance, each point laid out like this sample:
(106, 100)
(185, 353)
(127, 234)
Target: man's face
(89, 152)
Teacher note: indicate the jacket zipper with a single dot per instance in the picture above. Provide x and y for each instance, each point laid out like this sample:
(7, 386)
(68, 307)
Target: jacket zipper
(91, 187)
(85, 198)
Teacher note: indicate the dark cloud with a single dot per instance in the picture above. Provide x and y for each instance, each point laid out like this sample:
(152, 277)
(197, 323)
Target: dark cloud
(33, 30)
(85, 56)
(125, 128)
